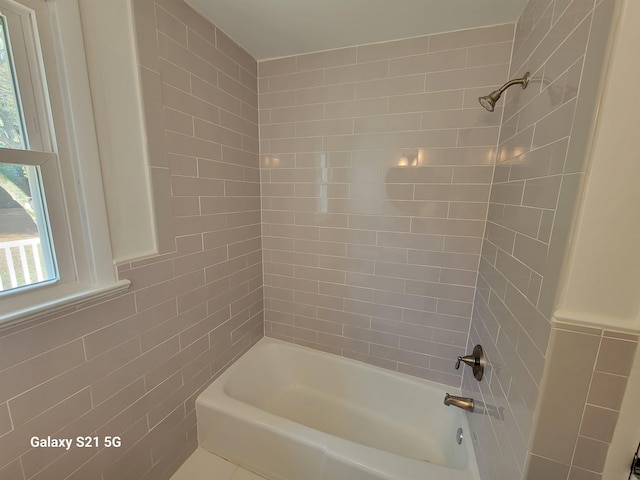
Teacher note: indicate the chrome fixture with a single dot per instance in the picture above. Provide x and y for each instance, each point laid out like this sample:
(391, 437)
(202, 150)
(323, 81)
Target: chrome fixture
(475, 360)
(489, 101)
(459, 436)
(464, 403)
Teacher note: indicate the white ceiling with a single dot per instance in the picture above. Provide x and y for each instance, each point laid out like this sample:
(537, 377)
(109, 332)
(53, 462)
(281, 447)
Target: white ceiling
(279, 28)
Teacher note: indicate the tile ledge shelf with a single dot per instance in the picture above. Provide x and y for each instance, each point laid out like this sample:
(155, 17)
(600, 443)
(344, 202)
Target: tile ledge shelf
(567, 318)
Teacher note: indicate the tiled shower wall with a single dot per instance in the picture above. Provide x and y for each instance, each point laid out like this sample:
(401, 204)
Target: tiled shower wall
(376, 165)
(131, 365)
(541, 164)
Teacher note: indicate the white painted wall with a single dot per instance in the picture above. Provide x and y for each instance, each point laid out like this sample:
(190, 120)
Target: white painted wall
(603, 275)
(117, 102)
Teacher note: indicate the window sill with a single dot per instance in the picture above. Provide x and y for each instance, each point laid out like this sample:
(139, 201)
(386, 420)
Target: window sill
(52, 306)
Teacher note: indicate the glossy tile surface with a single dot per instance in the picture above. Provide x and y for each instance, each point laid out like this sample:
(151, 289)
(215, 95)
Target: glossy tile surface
(538, 176)
(375, 186)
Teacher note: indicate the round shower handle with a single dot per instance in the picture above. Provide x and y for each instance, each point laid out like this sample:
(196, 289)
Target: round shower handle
(476, 360)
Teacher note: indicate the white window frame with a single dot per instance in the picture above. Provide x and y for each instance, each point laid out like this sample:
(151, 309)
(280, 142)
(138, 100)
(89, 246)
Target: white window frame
(58, 112)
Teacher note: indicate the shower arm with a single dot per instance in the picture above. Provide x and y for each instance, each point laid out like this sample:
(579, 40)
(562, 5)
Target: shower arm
(516, 81)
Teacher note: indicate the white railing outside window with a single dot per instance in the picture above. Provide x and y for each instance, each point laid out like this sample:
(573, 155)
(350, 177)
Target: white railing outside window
(20, 263)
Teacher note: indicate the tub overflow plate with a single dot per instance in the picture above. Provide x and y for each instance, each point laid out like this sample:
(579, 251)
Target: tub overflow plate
(459, 436)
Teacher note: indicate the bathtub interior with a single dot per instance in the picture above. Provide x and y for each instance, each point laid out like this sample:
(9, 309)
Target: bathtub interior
(364, 404)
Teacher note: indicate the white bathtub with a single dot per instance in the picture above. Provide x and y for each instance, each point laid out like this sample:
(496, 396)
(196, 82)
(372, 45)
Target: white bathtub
(293, 413)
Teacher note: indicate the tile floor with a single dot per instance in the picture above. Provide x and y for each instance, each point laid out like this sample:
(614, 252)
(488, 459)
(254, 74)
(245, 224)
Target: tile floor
(202, 465)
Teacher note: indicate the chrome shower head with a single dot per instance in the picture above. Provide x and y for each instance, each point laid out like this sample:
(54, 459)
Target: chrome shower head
(489, 101)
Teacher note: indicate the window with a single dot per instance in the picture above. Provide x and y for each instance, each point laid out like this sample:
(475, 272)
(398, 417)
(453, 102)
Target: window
(54, 239)
(26, 253)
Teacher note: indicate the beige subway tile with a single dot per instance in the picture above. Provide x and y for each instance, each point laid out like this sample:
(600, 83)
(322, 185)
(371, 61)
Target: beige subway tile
(341, 143)
(460, 261)
(390, 87)
(327, 59)
(185, 206)
(507, 193)
(402, 329)
(531, 252)
(210, 95)
(448, 226)
(399, 48)
(317, 325)
(598, 423)
(428, 62)
(5, 420)
(416, 208)
(436, 320)
(387, 123)
(454, 307)
(491, 54)
(471, 37)
(523, 220)
(16, 444)
(375, 282)
(411, 240)
(422, 102)
(540, 467)
(294, 332)
(399, 355)
(478, 136)
(458, 277)
(515, 271)
(39, 369)
(581, 474)
(590, 454)
(356, 73)
(325, 94)
(236, 53)
(237, 90)
(510, 149)
(571, 376)
(175, 76)
(193, 147)
(324, 127)
(295, 81)
(344, 343)
(279, 66)
(616, 356)
(440, 290)
(463, 193)
(379, 223)
(455, 244)
(278, 100)
(355, 108)
(297, 114)
(12, 470)
(171, 26)
(466, 78)
(186, 58)
(144, 18)
(472, 174)
(555, 126)
(321, 248)
(28, 343)
(466, 210)
(296, 145)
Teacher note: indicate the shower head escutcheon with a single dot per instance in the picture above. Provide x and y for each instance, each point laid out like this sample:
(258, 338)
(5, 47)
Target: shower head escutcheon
(489, 101)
